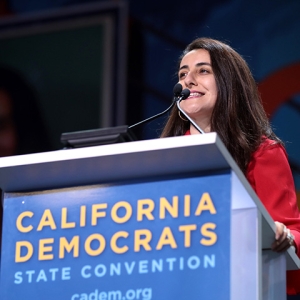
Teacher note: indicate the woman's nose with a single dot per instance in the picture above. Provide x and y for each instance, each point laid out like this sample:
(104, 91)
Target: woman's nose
(190, 80)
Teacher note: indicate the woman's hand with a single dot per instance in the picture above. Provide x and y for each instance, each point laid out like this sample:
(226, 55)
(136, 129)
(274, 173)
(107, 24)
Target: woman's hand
(283, 238)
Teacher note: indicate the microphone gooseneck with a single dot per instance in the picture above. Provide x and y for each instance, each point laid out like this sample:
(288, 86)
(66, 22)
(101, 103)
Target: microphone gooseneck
(179, 95)
(177, 91)
(184, 95)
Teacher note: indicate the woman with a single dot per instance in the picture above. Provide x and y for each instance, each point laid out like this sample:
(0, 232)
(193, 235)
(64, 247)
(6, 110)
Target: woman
(224, 99)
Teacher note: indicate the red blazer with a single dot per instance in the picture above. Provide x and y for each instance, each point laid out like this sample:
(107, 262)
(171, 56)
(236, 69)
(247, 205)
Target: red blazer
(270, 176)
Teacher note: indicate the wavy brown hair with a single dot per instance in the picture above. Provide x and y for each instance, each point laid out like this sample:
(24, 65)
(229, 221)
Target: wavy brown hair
(238, 116)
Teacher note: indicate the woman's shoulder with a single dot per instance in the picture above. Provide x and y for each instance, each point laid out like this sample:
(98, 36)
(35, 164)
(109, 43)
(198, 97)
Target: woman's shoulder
(268, 160)
(270, 155)
(269, 146)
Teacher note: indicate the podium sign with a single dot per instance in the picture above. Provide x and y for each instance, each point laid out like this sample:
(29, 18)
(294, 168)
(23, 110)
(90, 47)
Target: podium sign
(160, 239)
(162, 219)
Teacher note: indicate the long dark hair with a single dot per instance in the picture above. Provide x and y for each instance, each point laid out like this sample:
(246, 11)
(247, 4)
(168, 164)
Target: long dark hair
(238, 116)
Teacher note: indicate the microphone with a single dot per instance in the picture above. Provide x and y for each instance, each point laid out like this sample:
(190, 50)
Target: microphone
(184, 95)
(177, 90)
(179, 94)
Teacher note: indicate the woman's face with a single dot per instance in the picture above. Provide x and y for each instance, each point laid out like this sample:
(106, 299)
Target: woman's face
(196, 74)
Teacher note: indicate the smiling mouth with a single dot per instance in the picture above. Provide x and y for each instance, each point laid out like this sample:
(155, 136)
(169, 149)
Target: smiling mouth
(195, 94)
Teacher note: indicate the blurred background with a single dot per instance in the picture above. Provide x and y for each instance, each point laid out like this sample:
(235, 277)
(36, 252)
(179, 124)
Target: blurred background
(72, 65)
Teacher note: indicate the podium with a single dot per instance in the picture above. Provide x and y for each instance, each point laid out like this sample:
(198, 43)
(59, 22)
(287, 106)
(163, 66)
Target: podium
(170, 218)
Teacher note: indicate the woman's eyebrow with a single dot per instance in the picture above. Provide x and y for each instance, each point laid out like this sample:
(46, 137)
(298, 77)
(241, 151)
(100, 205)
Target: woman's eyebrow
(197, 65)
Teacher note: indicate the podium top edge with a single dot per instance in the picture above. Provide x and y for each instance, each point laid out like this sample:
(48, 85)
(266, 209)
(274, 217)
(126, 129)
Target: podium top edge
(105, 150)
(112, 163)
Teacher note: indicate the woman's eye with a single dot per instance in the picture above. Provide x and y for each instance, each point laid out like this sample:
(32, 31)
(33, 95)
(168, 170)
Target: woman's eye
(204, 71)
(181, 75)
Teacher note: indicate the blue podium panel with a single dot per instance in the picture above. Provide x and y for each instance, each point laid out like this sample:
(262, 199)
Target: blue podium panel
(166, 239)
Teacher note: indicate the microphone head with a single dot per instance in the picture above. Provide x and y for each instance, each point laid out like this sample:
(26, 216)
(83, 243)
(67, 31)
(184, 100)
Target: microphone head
(185, 93)
(177, 90)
